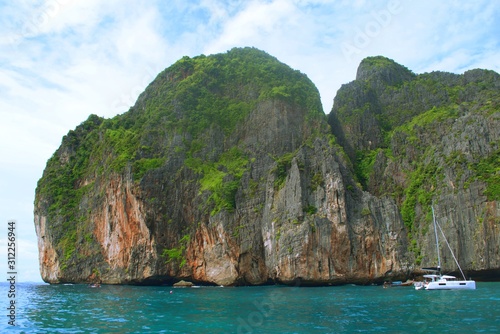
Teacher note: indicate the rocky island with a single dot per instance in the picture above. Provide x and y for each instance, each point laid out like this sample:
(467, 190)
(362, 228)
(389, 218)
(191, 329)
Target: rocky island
(227, 171)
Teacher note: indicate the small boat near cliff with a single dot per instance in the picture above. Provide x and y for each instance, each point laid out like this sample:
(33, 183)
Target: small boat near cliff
(437, 281)
(388, 284)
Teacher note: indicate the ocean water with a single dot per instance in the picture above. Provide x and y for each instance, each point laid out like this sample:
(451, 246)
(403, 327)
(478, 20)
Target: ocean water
(44, 308)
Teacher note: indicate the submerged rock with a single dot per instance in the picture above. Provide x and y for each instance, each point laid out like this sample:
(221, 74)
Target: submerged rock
(183, 284)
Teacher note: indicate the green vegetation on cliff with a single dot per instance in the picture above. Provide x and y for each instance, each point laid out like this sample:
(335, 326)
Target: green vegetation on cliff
(221, 178)
(176, 254)
(488, 171)
(221, 89)
(62, 186)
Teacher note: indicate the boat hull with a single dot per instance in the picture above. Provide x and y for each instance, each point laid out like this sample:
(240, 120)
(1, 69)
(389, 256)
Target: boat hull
(451, 285)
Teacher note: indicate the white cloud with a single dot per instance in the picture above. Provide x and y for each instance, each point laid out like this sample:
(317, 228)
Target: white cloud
(257, 21)
(281, 28)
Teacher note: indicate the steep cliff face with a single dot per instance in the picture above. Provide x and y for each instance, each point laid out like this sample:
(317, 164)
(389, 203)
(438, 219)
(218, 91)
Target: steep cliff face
(432, 139)
(225, 171)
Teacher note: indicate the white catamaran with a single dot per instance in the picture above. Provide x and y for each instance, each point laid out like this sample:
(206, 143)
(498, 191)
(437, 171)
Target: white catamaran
(437, 281)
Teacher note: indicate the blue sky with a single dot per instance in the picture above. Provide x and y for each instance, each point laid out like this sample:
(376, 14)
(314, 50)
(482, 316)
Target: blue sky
(61, 60)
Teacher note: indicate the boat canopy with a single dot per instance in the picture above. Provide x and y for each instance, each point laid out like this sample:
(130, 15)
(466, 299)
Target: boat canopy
(440, 276)
(432, 268)
(432, 276)
(448, 277)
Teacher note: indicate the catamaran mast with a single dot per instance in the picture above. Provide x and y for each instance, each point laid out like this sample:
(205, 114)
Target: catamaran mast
(452, 254)
(437, 241)
(436, 226)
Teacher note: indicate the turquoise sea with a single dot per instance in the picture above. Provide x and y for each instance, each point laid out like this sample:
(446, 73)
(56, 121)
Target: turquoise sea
(44, 308)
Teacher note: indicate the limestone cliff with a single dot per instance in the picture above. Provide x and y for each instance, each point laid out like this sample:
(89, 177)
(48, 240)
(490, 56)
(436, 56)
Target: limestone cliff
(429, 139)
(226, 171)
